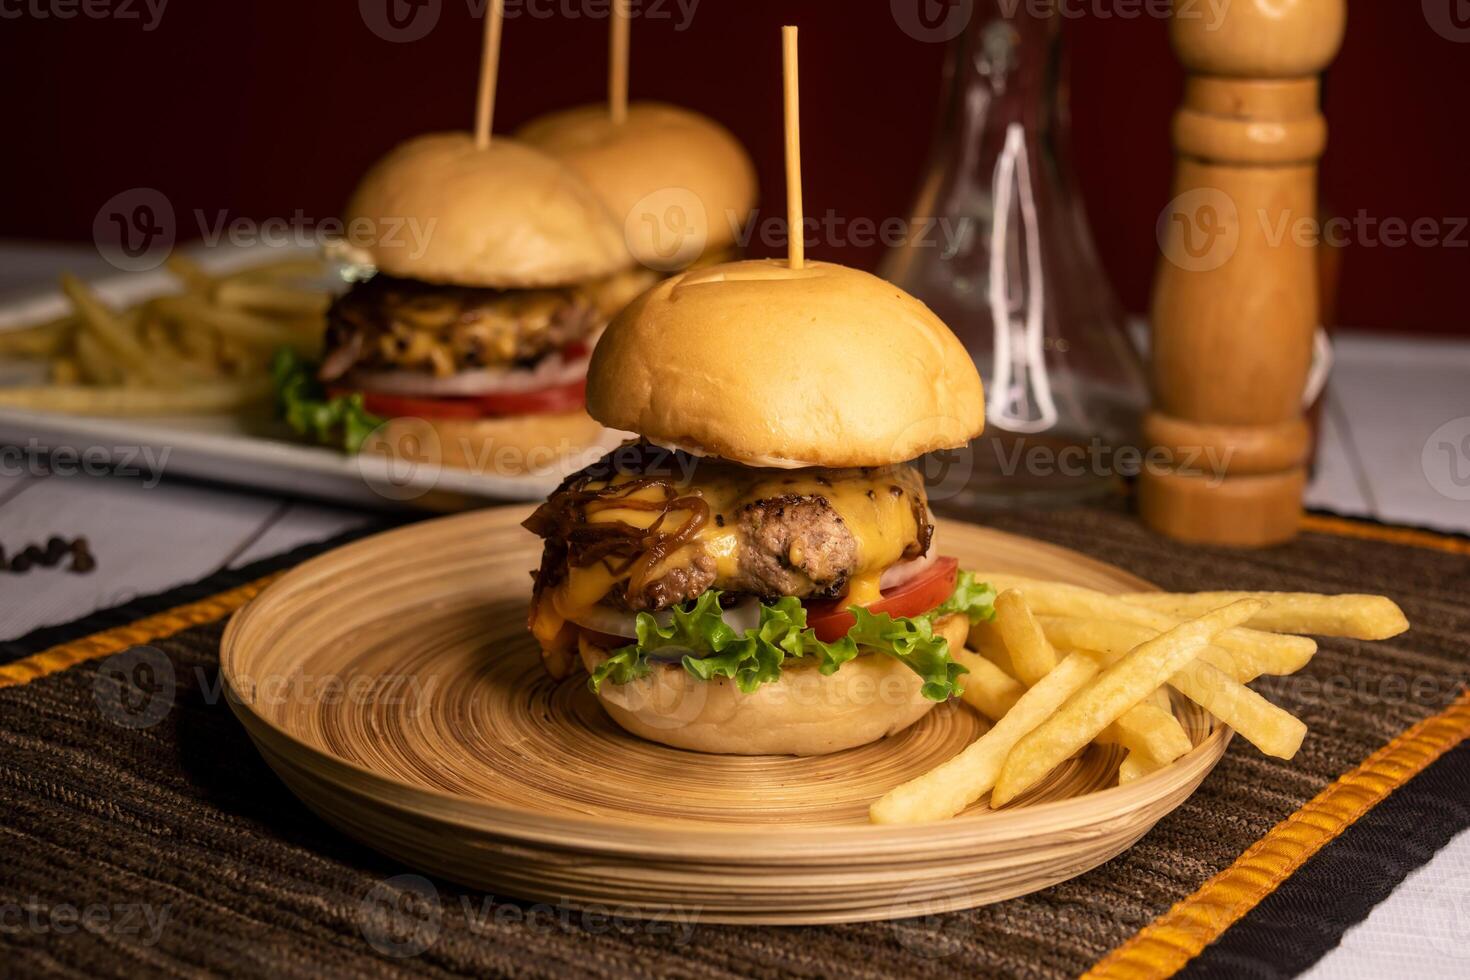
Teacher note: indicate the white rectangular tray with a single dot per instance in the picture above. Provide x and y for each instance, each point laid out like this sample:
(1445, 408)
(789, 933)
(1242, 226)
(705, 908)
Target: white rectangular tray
(255, 451)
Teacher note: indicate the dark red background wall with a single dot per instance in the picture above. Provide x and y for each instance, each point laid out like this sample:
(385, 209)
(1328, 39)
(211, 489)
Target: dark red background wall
(261, 108)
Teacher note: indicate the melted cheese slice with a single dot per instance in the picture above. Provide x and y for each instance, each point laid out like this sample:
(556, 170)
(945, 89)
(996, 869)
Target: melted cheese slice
(877, 506)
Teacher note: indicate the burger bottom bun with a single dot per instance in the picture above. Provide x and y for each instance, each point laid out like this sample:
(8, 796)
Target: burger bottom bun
(803, 713)
(516, 445)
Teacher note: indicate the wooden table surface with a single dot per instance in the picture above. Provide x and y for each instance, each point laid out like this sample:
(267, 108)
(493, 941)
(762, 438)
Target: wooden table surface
(1388, 399)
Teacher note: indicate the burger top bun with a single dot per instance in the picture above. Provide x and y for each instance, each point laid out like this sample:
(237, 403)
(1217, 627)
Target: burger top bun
(680, 183)
(801, 713)
(440, 209)
(770, 366)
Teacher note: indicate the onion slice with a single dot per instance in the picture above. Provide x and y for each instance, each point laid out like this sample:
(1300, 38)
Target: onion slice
(613, 622)
(549, 371)
(902, 572)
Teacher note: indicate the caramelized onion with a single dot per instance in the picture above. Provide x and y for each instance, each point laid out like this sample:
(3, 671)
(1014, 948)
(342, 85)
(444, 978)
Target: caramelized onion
(625, 549)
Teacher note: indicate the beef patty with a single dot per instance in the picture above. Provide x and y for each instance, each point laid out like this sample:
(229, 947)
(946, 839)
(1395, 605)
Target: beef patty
(710, 524)
(387, 323)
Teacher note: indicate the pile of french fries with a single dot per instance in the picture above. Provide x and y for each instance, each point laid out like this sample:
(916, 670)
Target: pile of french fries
(1061, 667)
(204, 349)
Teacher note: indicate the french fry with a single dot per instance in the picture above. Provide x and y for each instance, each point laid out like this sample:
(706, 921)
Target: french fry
(64, 371)
(987, 688)
(1359, 617)
(1272, 730)
(1115, 638)
(94, 363)
(153, 333)
(1145, 728)
(267, 297)
(171, 360)
(235, 357)
(1120, 687)
(956, 783)
(1263, 653)
(105, 362)
(1211, 683)
(190, 272)
(113, 334)
(999, 657)
(1205, 646)
(198, 342)
(1152, 727)
(281, 269)
(217, 396)
(41, 340)
(1136, 765)
(985, 635)
(236, 325)
(1119, 638)
(1031, 655)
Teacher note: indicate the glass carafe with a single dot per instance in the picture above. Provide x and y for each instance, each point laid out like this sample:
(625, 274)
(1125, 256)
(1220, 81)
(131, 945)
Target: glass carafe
(1017, 277)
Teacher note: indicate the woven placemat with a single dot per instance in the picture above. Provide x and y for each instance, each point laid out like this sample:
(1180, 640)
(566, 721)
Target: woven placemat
(140, 830)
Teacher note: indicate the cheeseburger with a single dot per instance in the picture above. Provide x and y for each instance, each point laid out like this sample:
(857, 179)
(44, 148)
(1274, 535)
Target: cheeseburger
(758, 572)
(482, 286)
(680, 183)
(475, 327)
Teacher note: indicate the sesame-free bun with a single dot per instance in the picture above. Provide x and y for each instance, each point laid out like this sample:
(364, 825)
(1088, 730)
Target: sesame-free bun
(514, 445)
(770, 366)
(679, 183)
(802, 713)
(440, 209)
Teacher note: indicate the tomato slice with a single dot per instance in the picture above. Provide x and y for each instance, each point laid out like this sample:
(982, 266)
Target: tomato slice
(831, 620)
(554, 398)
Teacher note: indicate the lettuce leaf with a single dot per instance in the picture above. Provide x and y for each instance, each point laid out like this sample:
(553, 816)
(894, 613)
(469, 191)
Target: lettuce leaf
(340, 421)
(708, 647)
(912, 642)
(972, 597)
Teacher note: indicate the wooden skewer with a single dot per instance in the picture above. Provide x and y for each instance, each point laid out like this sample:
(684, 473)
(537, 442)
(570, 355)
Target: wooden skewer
(795, 232)
(489, 69)
(617, 69)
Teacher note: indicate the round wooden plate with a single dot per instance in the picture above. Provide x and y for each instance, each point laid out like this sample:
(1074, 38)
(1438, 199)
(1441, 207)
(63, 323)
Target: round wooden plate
(392, 685)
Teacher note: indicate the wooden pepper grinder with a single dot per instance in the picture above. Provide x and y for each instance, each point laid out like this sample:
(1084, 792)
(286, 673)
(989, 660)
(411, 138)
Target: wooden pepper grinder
(1235, 304)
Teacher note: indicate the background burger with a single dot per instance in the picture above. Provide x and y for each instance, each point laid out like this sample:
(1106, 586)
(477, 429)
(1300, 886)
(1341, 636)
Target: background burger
(680, 183)
(736, 579)
(484, 275)
(489, 273)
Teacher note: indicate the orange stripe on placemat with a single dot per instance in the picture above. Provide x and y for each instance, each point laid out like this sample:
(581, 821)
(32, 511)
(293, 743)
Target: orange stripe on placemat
(1343, 527)
(1164, 946)
(149, 628)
